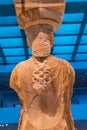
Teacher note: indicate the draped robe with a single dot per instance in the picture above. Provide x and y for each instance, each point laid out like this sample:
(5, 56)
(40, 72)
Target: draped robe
(50, 111)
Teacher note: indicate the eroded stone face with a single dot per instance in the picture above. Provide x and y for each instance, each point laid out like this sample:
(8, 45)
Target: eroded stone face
(41, 46)
(43, 83)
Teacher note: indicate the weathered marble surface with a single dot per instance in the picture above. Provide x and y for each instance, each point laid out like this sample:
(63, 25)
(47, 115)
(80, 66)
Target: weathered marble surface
(33, 12)
(43, 83)
(49, 108)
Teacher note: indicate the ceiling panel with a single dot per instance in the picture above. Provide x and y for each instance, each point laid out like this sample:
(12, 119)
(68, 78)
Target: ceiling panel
(13, 51)
(68, 29)
(66, 56)
(62, 49)
(11, 42)
(76, 0)
(81, 57)
(82, 48)
(10, 31)
(15, 59)
(65, 40)
(6, 68)
(1, 60)
(79, 64)
(6, 2)
(85, 30)
(8, 20)
(74, 17)
(83, 39)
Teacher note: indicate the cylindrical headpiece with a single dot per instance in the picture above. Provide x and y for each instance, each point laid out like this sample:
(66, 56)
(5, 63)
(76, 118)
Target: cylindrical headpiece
(35, 12)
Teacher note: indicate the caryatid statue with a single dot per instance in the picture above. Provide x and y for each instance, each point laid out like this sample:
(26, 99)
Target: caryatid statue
(43, 83)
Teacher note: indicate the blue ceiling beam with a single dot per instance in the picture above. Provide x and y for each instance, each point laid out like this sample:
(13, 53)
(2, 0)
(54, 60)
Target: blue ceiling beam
(79, 37)
(25, 44)
(76, 7)
(3, 55)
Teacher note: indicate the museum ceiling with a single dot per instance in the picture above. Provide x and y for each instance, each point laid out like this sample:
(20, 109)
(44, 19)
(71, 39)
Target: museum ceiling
(70, 41)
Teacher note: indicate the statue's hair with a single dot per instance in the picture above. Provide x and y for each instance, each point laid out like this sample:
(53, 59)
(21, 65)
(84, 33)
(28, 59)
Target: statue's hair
(33, 32)
(41, 79)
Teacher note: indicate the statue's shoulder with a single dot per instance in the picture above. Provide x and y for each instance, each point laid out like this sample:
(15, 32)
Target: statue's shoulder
(68, 74)
(67, 66)
(59, 60)
(20, 66)
(63, 63)
(18, 72)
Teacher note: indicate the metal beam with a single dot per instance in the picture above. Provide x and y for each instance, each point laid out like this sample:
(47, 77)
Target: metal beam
(69, 34)
(72, 7)
(79, 37)
(3, 55)
(76, 7)
(25, 44)
(7, 10)
(9, 37)
(16, 24)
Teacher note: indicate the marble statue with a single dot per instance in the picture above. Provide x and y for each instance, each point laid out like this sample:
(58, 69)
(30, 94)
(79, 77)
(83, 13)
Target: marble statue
(43, 83)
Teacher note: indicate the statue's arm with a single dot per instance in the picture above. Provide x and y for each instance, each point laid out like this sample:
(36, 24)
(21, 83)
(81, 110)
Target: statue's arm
(69, 92)
(68, 76)
(68, 79)
(15, 82)
(14, 79)
(71, 77)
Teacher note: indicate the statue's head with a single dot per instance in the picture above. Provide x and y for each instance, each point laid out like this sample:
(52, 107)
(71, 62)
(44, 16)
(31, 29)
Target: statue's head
(40, 19)
(40, 39)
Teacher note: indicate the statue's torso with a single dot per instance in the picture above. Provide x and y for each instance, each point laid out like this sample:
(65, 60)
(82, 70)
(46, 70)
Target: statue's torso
(42, 112)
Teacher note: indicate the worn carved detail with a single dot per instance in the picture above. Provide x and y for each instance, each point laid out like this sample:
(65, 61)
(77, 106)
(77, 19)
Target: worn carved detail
(41, 78)
(43, 83)
(33, 12)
